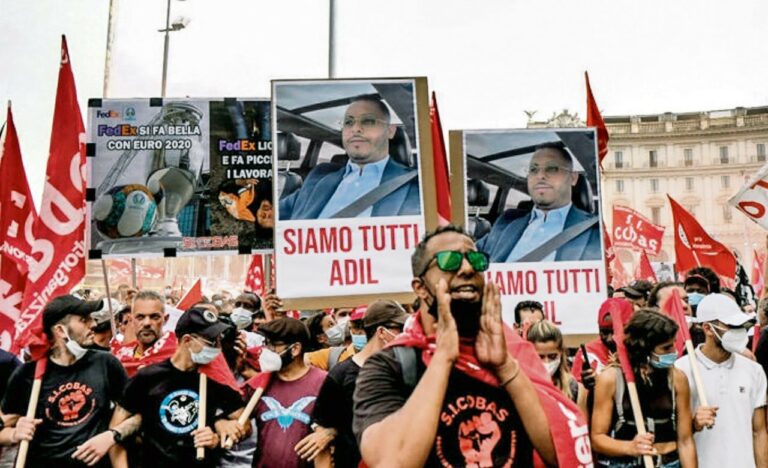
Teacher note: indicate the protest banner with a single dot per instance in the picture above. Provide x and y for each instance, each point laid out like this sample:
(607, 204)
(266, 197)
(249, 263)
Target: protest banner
(560, 263)
(179, 176)
(752, 198)
(633, 230)
(352, 209)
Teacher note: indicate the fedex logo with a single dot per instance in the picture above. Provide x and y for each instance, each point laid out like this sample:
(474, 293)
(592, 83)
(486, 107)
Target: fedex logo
(110, 114)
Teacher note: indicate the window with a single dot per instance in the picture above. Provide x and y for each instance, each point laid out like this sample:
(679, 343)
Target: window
(618, 157)
(727, 213)
(761, 152)
(688, 157)
(653, 158)
(654, 185)
(725, 181)
(723, 155)
(689, 183)
(619, 186)
(656, 215)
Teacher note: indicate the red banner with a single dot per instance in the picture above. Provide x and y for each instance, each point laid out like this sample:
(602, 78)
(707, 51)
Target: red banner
(635, 231)
(440, 161)
(58, 244)
(254, 280)
(758, 272)
(694, 247)
(644, 269)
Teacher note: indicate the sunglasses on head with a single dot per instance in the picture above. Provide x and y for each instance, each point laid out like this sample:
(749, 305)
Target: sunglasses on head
(450, 260)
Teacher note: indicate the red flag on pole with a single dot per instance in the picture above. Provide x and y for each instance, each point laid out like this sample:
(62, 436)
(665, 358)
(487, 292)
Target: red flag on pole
(610, 254)
(254, 279)
(59, 231)
(440, 161)
(694, 247)
(594, 119)
(645, 270)
(16, 217)
(621, 311)
(192, 297)
(633, 230)
(758, 272)
(675, 310)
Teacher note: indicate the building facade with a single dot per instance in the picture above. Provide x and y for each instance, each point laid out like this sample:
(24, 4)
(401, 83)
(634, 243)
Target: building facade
(700, 159)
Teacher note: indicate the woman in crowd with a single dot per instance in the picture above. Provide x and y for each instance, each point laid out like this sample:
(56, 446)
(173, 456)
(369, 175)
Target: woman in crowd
(664, 399)
(548, 341)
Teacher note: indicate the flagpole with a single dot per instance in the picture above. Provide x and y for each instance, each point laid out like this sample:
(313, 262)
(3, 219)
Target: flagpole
(332, 39)
(109, 298)
(201, 411)
(113, 4)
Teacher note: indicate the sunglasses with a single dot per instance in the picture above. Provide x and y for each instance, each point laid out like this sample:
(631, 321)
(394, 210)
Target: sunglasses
(450, 260)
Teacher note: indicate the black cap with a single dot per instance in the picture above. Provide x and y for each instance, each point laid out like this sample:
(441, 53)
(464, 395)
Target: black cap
(697, 279)
(638, 289)
(62, 306)
(201, 322)
(285, 330)
(384, 312)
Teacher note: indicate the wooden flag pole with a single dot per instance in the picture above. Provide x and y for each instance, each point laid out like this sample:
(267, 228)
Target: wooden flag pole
(112, 323)
(201, 411)
(227, 443)
(637, 412)
(696, 373)
(21, 458)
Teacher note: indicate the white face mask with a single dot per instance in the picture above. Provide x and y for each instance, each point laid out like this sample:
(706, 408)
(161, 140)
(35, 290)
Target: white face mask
(241, 317)
(552, 366)
(270, 361)
(74, 347)
(335, 334)
(734, 340)
(205, 355)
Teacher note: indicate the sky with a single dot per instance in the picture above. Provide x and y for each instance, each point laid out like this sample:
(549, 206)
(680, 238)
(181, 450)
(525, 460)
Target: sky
(488, 61)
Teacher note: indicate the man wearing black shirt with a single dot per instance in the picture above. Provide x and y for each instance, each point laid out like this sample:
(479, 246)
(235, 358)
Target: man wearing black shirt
(70, 427)
(163, 400)
(382, 322)
(470, 404)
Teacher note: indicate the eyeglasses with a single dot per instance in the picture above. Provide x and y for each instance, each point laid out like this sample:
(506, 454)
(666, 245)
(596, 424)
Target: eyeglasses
(205, 342)
(450, 260)
(549, 170)
(367, 122)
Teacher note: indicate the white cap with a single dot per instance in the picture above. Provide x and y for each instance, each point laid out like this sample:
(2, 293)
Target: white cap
(102, 316)
(723, 308)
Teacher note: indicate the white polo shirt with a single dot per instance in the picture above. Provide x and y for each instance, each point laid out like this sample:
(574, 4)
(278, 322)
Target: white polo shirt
(737, 386)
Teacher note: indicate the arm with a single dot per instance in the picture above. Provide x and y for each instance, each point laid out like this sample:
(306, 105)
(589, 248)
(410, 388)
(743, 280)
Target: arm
(686, 447)
(581, 400)
(759, 437)
(385, 443)
(601, 422)
(127, 425)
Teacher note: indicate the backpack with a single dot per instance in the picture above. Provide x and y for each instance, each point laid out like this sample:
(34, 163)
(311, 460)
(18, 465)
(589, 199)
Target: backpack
(406, 357)
(334, 355)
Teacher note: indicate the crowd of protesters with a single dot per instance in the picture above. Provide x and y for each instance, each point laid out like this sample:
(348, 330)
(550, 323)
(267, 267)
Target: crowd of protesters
(442, 381)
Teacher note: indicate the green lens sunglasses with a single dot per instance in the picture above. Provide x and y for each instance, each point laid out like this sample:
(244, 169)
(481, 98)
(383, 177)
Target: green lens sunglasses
(450, 260)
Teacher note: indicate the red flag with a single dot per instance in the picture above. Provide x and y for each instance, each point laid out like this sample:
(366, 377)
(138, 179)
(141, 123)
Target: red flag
(632, 229)
(218, 371)
(192, 297)
(621, 311)
(16, 217)
(260, 380)
(755, 337)
(694, 247)
(610, 255)
(59, 231)
(674, 308)
(758, 272)
(645, 270)
(254, 280)
(440, 161)
(163, 349)
(594, 119)
(567, 425)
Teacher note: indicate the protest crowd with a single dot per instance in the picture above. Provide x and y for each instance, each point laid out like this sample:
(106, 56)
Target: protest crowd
(383, 383)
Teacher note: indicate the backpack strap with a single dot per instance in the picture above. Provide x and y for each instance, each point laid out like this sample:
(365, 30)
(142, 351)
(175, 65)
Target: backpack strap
(334, 355)
(407, 358)
(618, 398)
(671, 381)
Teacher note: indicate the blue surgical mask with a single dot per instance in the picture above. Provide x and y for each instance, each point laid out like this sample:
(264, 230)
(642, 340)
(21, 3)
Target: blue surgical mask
(694, 298)
(205, 355)
(359, 341)
(664, 361)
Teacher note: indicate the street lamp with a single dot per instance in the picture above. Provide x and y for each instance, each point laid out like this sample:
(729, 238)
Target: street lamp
(177, 25)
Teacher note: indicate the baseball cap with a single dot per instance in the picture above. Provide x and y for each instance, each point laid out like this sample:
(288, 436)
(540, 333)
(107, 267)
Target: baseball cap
(285, 330)
(61, 306)
(697, 279)
(637, 289)
(201, 322)
(723, 308)
(102, 316)
(384, 312)
(358, 313)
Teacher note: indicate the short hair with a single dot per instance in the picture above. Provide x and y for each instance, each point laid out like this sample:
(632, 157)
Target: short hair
(527, 305)
(418, 257)
(559, 148)
(653, 296)
(315, 326)
(149, 295)
(647, 329)
(376, 101)
(709, 275)
(253, 297)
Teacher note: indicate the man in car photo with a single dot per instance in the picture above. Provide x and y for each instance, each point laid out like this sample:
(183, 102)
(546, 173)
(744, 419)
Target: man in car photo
(370, 184)
(555, 229)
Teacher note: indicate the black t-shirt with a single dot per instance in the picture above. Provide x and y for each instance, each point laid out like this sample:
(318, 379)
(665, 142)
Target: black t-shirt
(74, 404)
(478, 423)
(8, 364)
(167, 399)
(333, 408)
